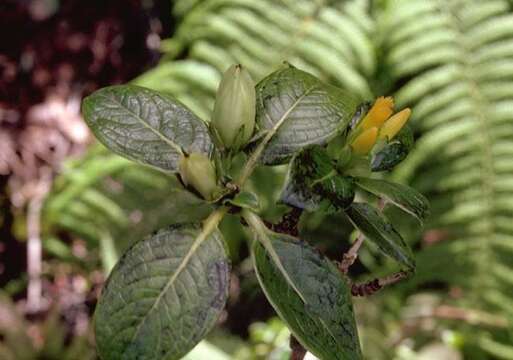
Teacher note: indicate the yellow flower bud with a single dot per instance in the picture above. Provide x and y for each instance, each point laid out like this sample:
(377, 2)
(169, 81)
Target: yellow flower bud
(393, 125)
(198, 172)
(365, 141)
(381, 110)
(234, 109)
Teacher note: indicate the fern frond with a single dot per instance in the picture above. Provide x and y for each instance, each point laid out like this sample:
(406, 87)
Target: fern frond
(332, 41)
(110, 201)
(455, 61)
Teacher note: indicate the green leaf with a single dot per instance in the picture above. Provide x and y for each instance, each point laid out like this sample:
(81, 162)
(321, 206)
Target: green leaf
(296, 109)
(337, 192)
(164, 295)
(246, 200)
(324, 321)
(145, 126)
(264, 236)
(313, 183)
(404, 197)
(380, 231)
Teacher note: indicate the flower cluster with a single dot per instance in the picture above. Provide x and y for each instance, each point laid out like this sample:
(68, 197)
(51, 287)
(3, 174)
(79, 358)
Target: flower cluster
(378, 124)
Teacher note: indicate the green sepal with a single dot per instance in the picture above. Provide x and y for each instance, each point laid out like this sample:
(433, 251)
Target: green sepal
(337, 193)
(388, 155)
(313, 183)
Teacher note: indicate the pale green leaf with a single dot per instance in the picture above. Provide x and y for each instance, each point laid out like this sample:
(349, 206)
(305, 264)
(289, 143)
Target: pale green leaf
(145, 126)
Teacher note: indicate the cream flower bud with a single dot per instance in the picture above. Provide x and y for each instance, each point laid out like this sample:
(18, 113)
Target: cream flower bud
(198, 172)
(234, 109)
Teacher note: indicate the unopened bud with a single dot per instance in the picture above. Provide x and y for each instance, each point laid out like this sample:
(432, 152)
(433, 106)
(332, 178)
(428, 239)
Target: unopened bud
(198, 172)
(393, 125)
(379, 112)
(234, 109)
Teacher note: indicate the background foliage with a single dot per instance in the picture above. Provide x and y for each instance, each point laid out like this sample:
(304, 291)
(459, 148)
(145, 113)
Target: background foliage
(450, 60)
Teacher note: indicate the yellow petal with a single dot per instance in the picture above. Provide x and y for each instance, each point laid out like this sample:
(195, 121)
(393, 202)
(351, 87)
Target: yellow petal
(365, 141)
(394, 124)
(379, 112)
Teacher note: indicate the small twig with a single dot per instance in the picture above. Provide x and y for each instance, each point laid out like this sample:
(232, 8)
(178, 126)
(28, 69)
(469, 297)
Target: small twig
(34, 247)
(470, 316)
(373, 286)
(298, 351)
(351, 255)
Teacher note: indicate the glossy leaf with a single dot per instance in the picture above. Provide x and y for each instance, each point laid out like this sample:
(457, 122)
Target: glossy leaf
(299, 110)
(376, 228)
(404, 197)
(324, 321)
(163, 296)
(145, 126)
(313, 183)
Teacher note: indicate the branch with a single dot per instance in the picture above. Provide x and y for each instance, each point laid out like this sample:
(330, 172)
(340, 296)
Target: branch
(298, 351)
(470, 316)
(350, 257)
(373, 286)
(34, 247)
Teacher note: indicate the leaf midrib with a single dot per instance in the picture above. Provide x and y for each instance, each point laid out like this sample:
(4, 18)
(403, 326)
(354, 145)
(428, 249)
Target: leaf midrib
(385, 236)
(168, 141)
(209, 226)
(279, 311)
(255, 156)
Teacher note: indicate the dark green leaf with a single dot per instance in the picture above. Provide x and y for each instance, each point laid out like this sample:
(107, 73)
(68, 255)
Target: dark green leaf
(336, 191)
(313, 183)
(299, 110)
(392, 153)
(380, 231)
(402, 196)
(324, 321)
(145, 126)
(163, 296)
